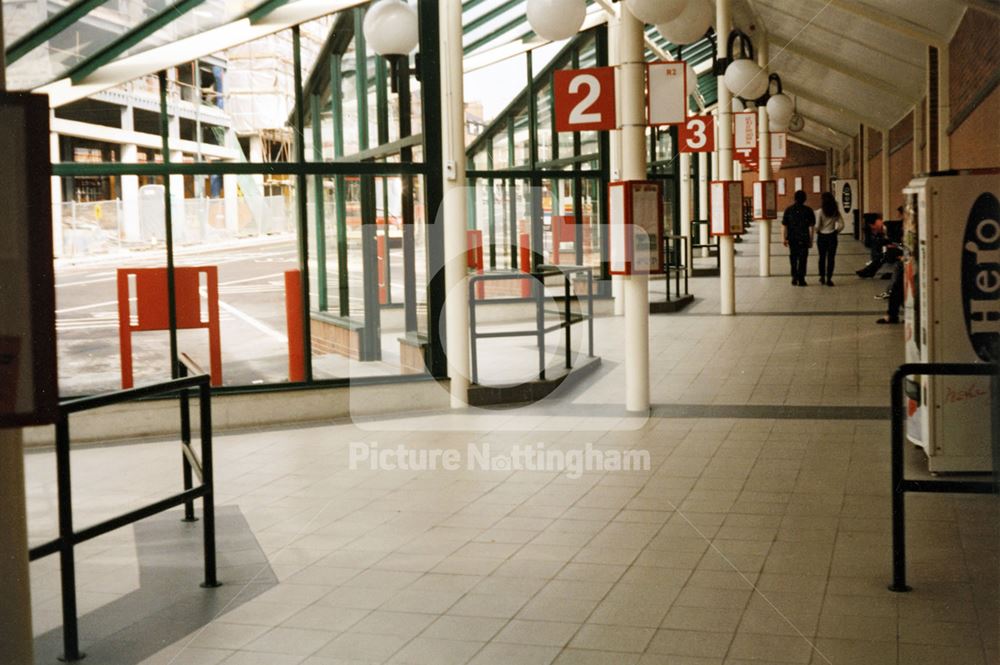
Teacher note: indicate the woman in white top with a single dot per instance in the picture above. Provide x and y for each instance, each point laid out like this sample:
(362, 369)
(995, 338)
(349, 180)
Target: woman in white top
(828, 224)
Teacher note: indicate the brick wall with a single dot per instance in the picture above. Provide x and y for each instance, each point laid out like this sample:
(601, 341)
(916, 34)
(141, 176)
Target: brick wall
(875, 182)
(976, 142)
(975, 57)
(973, 93)
(801, 162)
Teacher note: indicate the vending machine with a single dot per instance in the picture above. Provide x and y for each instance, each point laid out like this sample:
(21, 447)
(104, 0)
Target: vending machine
(951, 229)
(845, 190)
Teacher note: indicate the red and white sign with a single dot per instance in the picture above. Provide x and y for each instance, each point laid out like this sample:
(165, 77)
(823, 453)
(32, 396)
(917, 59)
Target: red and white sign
(667, 103)
(697, 134)
(765, 199)
(745, 130)
(585, 99)
(748, 157)
(779, 145)
(726, 209)
(635, 236)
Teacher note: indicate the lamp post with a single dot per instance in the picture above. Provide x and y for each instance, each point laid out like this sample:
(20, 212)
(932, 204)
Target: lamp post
(391, 28)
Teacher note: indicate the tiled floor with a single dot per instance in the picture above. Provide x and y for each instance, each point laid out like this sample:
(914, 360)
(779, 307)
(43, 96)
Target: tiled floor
(756, 536)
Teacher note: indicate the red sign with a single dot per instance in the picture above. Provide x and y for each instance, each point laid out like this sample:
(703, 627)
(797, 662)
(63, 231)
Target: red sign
(585, 99)
(748, 157)
(697, 134)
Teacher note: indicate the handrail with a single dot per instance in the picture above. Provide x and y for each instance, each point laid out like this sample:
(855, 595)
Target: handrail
(537, 278)
(900, 484)
(68, 537)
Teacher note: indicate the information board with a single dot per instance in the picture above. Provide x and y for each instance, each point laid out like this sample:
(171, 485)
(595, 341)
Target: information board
(29, 393)
(667, 103)
(636, 233)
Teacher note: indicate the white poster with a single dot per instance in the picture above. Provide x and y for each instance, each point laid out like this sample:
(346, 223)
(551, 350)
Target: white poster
(781, 186)
(718, 219)
(745, 130)
(779, 145)
(817, 184)
(798, 184)
(616, 246)
(667, 103)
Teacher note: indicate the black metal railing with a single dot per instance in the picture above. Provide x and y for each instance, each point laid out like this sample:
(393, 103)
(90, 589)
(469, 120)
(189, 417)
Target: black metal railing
(675, 265)
(702, 250)
(69, 538)
(901, 485)
(566, 316)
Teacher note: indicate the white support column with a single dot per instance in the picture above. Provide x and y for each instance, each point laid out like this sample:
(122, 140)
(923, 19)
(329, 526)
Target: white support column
(866, 197)
(851, 173)
(455, 212)
(177, 184)
(703, 178)
(231, 204)
(727, 246)
(634, 167)
(615, 136)
(764, 170)
(887, 207)
(130, 226)
(56, 186)
(944, 108)
(256, 200)
(685, 205)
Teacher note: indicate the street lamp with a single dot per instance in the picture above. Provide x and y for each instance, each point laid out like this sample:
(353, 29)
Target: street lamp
(656, 12)
(392, 28)
(556, 20)
(743, 76)
(690, 25)
(779, 105)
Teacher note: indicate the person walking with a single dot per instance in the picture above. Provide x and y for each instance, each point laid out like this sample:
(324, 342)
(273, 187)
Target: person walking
(799, 221)
(828, 227)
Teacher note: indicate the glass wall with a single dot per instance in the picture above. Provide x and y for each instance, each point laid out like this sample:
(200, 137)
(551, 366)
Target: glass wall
(291, 207)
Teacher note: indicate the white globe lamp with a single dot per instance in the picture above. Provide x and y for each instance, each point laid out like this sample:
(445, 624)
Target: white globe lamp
(690, 25)
(391, 27)
(780, 108)
(556, 19)
(656, 12)
(774, 126)
(746, 79)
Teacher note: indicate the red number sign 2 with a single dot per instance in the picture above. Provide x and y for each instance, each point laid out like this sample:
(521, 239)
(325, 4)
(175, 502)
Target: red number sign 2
(585, 99)
(697, 134)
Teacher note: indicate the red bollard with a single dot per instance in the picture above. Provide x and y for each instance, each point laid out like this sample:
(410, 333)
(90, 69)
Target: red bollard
(293, 319)
(525, 263)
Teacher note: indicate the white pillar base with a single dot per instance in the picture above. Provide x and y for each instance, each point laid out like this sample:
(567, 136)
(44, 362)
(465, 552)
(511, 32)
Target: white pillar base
(764, 229)
(727, 275)
(636, 289)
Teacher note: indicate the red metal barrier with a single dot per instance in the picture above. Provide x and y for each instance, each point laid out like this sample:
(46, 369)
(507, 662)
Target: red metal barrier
(293, 321)
(474, 260)
(152, 311)
(524, 261)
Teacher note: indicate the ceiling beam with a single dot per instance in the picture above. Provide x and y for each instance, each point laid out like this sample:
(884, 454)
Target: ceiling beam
(790, 47)
(891, 21)
(820, 124)
(850, 114)
(798, 138)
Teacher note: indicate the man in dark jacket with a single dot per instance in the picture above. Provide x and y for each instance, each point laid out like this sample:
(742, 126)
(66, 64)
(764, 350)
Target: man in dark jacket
(800, 224)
